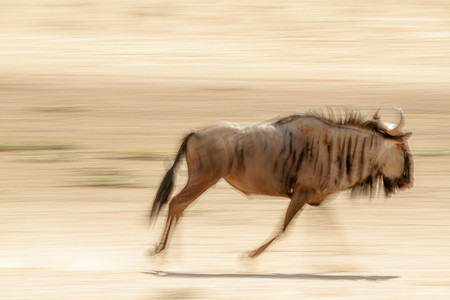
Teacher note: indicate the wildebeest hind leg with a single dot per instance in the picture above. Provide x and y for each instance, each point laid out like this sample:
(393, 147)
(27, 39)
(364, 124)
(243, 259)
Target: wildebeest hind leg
(179, 203)
(298, 200)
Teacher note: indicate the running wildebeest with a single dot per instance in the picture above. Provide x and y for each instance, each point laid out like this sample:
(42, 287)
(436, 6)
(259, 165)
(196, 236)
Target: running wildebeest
(302, 157)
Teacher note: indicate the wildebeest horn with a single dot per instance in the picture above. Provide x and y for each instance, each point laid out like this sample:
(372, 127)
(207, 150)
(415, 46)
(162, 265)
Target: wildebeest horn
(396, 131)
(376, 115)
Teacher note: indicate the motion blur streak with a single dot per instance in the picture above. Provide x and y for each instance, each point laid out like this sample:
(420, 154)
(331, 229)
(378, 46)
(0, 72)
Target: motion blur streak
(95, 95)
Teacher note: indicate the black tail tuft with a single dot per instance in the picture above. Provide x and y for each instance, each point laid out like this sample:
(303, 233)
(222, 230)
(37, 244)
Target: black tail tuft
(166, 187)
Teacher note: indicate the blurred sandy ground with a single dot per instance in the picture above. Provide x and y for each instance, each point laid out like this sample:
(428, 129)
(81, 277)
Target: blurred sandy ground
(94, 95)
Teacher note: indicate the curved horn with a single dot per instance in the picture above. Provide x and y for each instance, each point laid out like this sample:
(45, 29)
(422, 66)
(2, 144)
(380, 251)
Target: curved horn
(376, 115)
(397, 130)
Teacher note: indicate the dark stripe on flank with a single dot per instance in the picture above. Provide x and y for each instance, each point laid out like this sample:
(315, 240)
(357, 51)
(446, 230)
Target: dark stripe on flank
(348, 159)
(330, 156)
(317, 154)
(240, 159)
(361, 160)
(299, 161)
(290, 143)
(355, 149)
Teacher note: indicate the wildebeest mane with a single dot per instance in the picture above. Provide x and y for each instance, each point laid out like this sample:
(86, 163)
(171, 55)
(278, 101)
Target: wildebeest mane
(343, 118)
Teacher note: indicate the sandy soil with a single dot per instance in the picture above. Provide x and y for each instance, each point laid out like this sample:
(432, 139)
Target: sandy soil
(95, 95)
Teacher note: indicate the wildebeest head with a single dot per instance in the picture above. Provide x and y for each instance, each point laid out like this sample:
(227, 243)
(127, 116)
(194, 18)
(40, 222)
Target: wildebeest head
(396, 166)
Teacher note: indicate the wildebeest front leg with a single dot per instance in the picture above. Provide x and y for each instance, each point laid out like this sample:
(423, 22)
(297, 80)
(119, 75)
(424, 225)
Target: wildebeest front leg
(298, 200)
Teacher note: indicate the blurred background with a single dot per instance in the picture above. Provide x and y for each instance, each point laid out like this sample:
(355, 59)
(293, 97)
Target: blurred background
(95, 96)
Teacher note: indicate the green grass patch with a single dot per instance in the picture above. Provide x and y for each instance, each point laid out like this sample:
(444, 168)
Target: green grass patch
(44, 157)
(60, 109)
(146, 154)
(107, 181)
(33, 146)
(103, 171)
(431, 152)
(106, 176)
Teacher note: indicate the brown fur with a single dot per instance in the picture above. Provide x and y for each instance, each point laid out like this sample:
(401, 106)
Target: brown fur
(302, 157)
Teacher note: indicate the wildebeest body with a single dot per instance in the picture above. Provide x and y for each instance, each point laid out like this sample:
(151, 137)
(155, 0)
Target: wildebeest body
(302, 157)
(272, 159)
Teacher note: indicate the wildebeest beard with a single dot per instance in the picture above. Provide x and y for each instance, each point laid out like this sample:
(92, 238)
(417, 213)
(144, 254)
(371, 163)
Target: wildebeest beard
(373, 184)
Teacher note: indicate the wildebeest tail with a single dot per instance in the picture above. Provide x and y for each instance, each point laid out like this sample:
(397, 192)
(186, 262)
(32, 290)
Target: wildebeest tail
(166, 186)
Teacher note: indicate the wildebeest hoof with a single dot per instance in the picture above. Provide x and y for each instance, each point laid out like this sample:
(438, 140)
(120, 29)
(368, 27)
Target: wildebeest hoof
(151, 251)
(154, 250)
(247, 255)
(252, 254)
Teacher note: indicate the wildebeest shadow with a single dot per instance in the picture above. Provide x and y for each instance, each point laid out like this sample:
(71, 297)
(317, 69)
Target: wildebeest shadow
(271, 276)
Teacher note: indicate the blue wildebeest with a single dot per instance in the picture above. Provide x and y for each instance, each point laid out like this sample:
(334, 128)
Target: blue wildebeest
(303, 157)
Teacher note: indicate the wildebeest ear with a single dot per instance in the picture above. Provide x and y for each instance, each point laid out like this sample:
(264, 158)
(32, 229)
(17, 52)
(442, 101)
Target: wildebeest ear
(406, 136)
